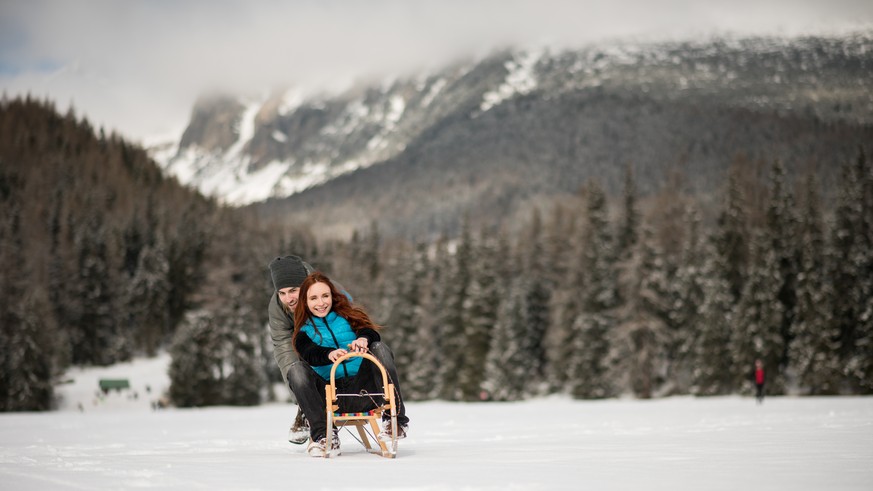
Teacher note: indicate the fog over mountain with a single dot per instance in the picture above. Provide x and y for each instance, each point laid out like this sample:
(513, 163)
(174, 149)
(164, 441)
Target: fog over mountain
(519, 127)
(138, 66)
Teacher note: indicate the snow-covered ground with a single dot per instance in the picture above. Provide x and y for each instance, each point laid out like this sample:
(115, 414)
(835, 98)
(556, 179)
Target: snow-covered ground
(673, 444)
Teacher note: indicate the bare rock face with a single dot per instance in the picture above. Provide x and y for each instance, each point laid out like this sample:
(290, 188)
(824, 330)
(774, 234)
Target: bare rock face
(214, 125)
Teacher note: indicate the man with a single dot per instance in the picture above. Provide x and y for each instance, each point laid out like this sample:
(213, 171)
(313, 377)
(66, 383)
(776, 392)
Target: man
(288, 273)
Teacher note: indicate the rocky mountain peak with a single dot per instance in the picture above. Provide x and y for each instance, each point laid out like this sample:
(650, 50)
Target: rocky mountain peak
(214, 124)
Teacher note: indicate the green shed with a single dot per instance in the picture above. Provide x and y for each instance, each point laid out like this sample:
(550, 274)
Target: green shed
(107, 384)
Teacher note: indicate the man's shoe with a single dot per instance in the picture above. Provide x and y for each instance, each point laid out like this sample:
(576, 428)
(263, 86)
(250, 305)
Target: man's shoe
(388, 431)
(299, 432)
(319, 448)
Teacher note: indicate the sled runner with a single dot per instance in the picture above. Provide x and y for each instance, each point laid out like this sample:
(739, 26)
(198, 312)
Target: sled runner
(361, 420)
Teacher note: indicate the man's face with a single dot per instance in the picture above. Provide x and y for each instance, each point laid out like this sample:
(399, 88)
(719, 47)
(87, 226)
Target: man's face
(288, 297)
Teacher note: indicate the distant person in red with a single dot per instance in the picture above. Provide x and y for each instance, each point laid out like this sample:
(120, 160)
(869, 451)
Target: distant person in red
(759, 381)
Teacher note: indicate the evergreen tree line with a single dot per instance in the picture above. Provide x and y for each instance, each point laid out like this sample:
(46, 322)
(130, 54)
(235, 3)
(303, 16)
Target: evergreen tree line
(598, 301)
(102, 257)
(636, 295)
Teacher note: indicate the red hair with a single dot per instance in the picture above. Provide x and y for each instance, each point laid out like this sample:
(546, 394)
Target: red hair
(340, 303)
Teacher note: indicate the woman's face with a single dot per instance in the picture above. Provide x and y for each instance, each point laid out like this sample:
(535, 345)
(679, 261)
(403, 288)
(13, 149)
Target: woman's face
(318, 299)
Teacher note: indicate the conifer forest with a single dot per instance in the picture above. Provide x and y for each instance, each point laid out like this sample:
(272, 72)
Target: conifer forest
(596, 295)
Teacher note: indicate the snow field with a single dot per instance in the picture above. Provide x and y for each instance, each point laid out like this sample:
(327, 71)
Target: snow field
(119, 442)
(551, 443)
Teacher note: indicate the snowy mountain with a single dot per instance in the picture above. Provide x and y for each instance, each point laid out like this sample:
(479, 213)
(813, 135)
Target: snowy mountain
(574, 114)
(247, 150)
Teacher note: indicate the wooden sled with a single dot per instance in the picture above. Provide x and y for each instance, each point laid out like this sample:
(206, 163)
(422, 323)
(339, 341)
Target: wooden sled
(361, 420)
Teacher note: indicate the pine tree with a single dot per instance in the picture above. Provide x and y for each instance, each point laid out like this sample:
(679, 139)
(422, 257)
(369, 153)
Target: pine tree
(588, 365)
(147, 297)
(757, 327)
(28, 332)
(509, 367)
(653, 293)
(567, 305)
(711, 361)
(527, 270)
(781, 230)
(844, 248)
(423, 377)
(599, 259)
(732, 237)
(196, 364)
(244, 376)
(814, 347)
(36, 345)
(185, 251)
(403, 324)
(481, 313)
(60, 269)
(137, 234)
(588, 342)
(860, 364)
(629, 229)
(97, 336)
(559, 236)
(685, 294)
(361, 267)
(560, 265)
(645, 346)
(11, 294)
(851, 271)
(371, 253)
(453, 321)
(644, 326)
(537, 318)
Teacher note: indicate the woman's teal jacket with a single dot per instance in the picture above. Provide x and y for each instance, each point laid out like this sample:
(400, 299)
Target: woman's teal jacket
(326, 334)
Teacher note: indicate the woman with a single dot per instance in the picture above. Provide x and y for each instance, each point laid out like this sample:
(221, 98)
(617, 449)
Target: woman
(325, 324)
(759, 381)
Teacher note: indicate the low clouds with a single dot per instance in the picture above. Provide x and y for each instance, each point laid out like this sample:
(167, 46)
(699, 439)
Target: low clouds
(136, 66)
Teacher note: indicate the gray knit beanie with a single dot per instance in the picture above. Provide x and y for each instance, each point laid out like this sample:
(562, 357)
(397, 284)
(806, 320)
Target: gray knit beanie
(287, 271)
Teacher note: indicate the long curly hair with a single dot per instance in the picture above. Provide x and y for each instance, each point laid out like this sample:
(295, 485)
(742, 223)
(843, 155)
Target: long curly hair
(355, 315)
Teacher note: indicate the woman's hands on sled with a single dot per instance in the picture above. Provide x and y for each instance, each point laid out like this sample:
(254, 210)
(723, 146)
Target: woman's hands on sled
(359, 345)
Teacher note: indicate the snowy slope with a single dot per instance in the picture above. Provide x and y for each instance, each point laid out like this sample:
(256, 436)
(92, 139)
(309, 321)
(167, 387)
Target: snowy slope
(555, 443)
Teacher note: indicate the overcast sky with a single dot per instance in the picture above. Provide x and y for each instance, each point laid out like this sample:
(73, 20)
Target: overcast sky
(136, 66)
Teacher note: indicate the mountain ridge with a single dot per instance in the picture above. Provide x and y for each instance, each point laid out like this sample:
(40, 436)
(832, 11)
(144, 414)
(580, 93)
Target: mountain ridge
(282, 157)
